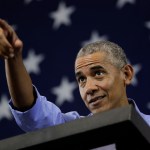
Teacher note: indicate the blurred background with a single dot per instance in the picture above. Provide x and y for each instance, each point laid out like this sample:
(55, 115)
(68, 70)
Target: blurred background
(53, 31)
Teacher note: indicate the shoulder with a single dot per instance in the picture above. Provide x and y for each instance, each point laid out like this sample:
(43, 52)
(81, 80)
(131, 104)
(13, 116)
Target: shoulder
(144, 116)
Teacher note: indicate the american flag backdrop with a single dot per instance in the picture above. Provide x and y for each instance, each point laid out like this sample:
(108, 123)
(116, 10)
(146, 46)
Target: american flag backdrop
(53, 31)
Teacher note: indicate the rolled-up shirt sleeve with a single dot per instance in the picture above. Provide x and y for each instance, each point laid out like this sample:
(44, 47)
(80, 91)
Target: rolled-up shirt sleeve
(43, 114)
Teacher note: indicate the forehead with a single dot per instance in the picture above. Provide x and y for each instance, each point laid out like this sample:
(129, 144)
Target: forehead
(91, 59)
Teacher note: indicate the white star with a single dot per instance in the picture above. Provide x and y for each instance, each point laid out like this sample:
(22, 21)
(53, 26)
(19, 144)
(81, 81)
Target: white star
(121, 3)
(4, 108)
(94, 37)
(64, 91)
(32, 62)
(147, 24)
(136, 68)
(61, 16)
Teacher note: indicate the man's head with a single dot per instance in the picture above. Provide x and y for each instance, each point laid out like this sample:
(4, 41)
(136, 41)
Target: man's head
(102, 74)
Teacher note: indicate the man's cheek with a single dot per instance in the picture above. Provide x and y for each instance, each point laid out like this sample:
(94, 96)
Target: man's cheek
(106, 85)
(82, 93)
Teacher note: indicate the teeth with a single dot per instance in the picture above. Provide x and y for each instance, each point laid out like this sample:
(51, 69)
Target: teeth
(99, 97)
(95, 99)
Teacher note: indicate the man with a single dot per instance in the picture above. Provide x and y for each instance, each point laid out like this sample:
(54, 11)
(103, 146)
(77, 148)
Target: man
(101, 71)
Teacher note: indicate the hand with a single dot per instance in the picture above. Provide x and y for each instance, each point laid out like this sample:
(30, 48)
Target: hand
(10, 45)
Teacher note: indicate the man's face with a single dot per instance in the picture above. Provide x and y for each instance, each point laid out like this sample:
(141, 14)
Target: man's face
(102, 85)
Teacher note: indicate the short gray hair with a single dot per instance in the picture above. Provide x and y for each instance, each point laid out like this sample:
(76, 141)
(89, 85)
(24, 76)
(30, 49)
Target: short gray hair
(116, 54)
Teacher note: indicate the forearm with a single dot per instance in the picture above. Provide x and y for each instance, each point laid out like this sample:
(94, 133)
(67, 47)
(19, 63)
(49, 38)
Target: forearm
(18, 80)
(19, 83)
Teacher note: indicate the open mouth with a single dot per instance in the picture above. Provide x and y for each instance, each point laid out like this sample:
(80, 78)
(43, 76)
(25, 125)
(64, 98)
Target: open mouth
(95, 101)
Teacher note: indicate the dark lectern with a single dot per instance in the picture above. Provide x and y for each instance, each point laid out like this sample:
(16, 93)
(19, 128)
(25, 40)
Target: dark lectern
(117, 129)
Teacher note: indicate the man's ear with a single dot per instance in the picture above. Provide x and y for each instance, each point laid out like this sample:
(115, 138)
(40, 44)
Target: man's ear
(128, 73)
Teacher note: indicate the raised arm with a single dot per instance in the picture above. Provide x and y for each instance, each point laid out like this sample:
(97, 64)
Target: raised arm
(18, 80)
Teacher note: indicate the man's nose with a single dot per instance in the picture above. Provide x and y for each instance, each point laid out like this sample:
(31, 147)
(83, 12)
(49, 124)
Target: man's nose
(91, 86)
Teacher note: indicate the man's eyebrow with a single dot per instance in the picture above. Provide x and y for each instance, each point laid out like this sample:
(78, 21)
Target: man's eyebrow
(96, 67)
(78, 73)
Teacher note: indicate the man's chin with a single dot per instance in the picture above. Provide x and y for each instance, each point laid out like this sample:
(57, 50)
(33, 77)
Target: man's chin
(99, 110)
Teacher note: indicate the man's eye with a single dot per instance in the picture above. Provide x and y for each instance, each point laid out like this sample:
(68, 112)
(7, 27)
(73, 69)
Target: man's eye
(81, 79)
(98, 73)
